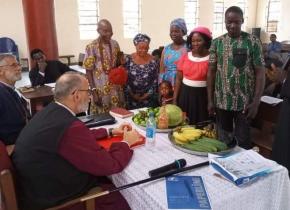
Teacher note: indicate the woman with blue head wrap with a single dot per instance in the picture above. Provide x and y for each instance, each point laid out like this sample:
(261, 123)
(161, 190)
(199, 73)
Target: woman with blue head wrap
(173, 51)
(141, 88)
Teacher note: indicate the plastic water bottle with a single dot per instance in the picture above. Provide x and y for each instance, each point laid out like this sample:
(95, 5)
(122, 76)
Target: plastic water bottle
(150, 131)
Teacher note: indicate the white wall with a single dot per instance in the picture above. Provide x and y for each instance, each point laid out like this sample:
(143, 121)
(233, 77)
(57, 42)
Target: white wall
(12, 23)
(156, 17)
(283, 27)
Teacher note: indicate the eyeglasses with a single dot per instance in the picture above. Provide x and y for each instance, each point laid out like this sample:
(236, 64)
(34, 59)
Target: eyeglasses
(90, 91)
(14, 65)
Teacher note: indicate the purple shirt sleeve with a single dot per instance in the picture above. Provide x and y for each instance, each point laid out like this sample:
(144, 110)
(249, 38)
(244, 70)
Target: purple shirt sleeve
(79, 147)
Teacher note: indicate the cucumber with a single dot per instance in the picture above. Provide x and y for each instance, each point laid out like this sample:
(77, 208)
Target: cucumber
(211, 147)
(216, 143)
(200, 146)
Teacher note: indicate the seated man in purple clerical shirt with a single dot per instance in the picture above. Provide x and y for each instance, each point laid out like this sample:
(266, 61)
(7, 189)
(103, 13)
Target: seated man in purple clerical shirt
(57, 157)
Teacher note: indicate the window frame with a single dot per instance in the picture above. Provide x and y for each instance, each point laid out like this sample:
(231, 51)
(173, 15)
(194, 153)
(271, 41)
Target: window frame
(191, 12)
(126, 32)
(272, 23)
(221, 14)
(92, 33)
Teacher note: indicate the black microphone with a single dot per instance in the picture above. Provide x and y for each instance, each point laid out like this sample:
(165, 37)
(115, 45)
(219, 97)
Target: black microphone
(177, 164)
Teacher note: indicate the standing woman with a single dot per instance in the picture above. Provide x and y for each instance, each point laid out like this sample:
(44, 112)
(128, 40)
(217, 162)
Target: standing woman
(190, 91)
(141, 89)
(172, 52)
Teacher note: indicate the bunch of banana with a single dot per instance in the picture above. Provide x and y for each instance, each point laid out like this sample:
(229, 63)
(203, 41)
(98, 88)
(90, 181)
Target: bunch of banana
(210, 133)
(186, 134)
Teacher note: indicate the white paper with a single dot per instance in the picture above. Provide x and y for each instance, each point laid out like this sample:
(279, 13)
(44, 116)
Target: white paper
(271, 100)
(52, 85)
(78, 68)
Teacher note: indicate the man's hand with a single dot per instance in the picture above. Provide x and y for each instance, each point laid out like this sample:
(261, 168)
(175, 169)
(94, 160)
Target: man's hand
(252, 109)
(121, 129)
(42, 66)
(131, 137)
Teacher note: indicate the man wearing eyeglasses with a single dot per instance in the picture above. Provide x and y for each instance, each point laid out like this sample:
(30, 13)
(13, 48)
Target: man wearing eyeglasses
(57, 157)
(45, 71)
(13, 113)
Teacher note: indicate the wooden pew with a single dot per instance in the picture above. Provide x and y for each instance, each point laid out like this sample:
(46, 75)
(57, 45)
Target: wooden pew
(263, 129)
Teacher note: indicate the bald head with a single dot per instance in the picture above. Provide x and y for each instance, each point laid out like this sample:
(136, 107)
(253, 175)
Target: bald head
(104, 22)
(105, 30)
(66, 84)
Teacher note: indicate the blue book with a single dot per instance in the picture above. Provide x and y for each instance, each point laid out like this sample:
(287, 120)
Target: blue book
(186, 192)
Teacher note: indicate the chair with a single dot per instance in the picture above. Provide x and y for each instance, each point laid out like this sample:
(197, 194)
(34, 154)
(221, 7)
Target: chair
(7, 45)
(81, 59)
(8, 190)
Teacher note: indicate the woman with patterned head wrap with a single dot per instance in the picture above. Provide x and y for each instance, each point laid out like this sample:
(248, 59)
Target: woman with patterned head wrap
(173, 51)
(142, 69)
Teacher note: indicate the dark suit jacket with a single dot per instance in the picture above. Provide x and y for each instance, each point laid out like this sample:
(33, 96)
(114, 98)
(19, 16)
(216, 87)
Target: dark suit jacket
(53, 71)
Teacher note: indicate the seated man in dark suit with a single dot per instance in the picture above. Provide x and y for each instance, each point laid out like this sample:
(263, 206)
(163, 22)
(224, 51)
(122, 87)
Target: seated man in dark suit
(45, 71)
(57, 157)
(13, 112)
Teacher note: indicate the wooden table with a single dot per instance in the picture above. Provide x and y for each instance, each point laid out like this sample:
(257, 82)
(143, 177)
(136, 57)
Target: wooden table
(38, 98)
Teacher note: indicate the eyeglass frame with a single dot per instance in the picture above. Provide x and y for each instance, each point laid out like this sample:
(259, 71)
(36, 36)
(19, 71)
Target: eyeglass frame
(14, 65)
(90, 91)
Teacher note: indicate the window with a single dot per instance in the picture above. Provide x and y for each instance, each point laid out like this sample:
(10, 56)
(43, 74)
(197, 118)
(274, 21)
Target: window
(273, 15)
(191, 13)
(243, 5)
(88, 18)
(131, 17)
(218, 24)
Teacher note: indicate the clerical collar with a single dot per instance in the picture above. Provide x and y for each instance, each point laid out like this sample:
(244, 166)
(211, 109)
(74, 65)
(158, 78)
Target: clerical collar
(64, 106)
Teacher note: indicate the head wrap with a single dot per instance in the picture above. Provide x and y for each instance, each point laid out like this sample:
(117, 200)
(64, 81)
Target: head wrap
(203, 30)
(141, 38)
(180, 23)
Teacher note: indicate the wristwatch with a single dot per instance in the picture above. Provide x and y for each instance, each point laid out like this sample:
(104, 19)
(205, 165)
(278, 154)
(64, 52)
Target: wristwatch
(110, 132)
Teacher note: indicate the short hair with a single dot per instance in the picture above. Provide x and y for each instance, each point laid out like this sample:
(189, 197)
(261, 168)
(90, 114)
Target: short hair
(206, 39)
(3, 56)
(67, 83)
(273, 35)
(35, 51)
(169, 85)
(236, 10)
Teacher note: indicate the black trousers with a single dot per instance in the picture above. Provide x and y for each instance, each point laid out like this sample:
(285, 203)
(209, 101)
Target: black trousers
(233, 124)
